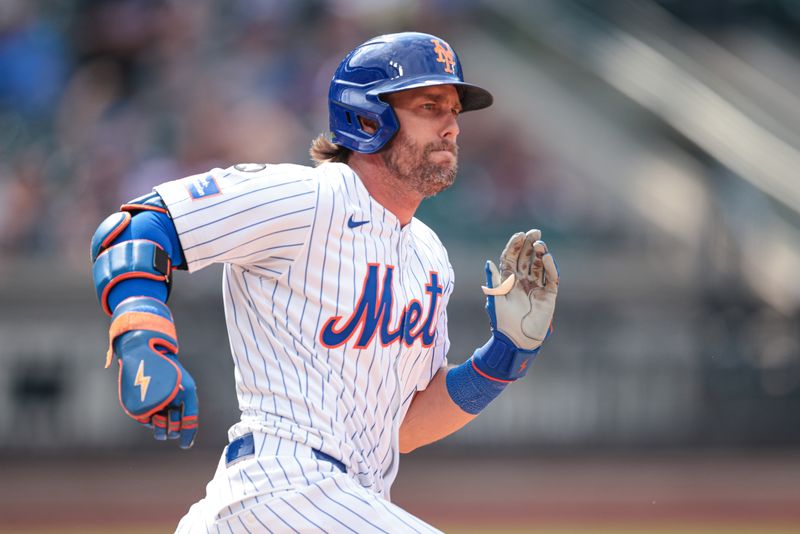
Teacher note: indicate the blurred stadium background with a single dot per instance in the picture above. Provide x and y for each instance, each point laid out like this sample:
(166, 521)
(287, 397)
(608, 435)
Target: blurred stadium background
(656, 143)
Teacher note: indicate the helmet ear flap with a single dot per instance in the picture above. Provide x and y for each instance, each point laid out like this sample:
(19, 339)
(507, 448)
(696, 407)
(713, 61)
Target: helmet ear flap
(348, 126)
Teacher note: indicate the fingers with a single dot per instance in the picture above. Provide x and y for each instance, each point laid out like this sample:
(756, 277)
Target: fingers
(551, 273)
(188, 432)
(189, 413)
(526, 255)
(510, 256)
(174, 423)
(493, 286)
(492, 274)
(189, 421)
(518, 256)
(537, 269)
(178, 420)
(159, 422)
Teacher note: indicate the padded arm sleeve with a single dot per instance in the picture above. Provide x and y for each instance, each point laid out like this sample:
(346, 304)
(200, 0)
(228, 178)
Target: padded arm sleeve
(152, 226)
(134, 252)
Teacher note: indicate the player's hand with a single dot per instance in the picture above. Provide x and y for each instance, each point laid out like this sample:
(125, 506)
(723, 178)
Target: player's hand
(154, 388)
(521, 294)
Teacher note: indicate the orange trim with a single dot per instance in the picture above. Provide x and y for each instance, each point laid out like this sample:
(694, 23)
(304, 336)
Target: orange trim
(141, 321)
(142, 207)
(115, 232)
(159, 421)
(155, 342)
(189, 422)
(127, 276)
(484, 375)
(131, 274)
(146, 416)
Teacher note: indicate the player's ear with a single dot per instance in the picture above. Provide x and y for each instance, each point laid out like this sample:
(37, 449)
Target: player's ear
(368, 125)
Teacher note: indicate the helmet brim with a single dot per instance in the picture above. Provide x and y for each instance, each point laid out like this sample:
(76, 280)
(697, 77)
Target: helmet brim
(472, 97)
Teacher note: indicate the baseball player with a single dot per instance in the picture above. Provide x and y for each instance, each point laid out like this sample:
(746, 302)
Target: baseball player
(335, 301)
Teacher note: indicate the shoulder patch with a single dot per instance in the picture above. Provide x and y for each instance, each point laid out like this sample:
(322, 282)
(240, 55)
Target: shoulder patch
(202, 186)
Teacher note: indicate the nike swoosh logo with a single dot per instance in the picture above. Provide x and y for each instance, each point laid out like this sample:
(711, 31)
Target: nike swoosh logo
(355, 224)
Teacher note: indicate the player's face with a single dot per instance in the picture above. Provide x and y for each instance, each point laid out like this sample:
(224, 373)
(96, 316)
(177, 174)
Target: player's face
(424, 153)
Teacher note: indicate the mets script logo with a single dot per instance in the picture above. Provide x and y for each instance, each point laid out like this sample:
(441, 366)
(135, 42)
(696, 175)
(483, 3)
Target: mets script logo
(373, 315)
(444, 54)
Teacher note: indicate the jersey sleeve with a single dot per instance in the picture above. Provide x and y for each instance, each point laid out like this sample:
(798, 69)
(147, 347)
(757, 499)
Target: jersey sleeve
(258, 216)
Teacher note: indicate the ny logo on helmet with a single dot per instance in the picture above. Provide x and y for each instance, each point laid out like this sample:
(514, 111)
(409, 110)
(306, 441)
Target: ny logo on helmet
(444, 54)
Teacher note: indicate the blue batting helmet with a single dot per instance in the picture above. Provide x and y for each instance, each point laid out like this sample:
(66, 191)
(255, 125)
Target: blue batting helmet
(387, 64)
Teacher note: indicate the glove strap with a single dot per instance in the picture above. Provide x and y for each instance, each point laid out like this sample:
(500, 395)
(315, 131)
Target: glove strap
(137, 258)
(479, 380)
(500, 360)
(142, 313)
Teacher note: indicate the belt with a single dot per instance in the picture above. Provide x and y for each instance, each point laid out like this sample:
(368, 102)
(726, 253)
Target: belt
(244, 446)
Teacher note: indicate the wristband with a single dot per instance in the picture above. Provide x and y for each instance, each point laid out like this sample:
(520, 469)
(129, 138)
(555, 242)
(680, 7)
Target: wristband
(478, 381)
(469, 390)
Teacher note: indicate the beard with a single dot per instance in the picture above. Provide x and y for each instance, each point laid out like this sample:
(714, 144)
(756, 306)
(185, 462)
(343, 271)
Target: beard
(412, 166)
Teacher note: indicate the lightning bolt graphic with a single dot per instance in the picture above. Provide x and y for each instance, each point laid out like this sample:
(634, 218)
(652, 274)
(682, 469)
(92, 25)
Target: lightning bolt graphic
(141, 380)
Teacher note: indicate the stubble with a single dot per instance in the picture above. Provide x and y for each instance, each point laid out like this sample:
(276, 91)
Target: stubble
(413, 168)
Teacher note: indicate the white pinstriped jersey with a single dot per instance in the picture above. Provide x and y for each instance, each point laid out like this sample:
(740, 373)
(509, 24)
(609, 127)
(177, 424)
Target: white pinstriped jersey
(335, 314)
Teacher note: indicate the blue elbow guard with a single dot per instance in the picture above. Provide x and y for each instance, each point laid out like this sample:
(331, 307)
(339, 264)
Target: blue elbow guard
(137, 258)
(150, 202)
(128, 259)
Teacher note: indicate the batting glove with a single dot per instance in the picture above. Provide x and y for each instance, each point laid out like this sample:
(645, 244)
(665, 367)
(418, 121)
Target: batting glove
(520, 301)
(154, 388)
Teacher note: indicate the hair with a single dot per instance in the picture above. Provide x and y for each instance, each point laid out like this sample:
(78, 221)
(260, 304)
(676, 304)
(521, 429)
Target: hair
(323, 150)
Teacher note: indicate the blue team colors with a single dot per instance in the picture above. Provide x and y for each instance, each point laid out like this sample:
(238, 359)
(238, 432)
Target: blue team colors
(476, 382)
(373, 315)
(384, 65)
(152, 380)
(335, 309)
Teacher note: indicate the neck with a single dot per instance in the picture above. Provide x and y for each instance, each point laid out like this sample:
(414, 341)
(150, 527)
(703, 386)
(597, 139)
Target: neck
(385, 187)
